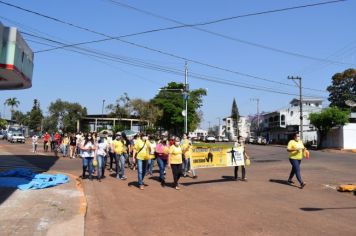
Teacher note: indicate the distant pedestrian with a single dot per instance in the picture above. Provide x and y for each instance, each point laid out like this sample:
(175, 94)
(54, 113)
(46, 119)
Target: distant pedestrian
(186, 145)
(175, 161)
(295, 148)
(120, 149)
(46, 138)
(151, 156)
(72, 145)
(241, 148)
(34, 143)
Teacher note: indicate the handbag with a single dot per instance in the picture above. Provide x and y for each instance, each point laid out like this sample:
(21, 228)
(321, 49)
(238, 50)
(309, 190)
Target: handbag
(247, 162)
(95, 162)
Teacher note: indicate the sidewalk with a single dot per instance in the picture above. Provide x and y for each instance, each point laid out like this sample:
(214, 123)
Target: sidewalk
(54, 211)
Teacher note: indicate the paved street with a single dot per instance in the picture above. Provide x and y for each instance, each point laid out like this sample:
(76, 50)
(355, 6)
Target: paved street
(213, 204)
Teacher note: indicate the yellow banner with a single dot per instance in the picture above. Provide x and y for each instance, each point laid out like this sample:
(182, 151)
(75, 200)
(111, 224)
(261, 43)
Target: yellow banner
(208, 157)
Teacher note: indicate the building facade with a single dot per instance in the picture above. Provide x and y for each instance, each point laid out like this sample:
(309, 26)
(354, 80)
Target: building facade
(280, 125)
(229, 129)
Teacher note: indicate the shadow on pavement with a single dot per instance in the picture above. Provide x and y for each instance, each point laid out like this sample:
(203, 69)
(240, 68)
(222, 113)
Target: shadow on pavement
(208, 182)
(328, 208)
(284, 182)
(36, 163)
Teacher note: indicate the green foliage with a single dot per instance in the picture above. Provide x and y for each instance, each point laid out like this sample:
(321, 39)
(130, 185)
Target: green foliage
(170, 101)
(235, 115)
(12, 102)
(69, 114)
(343, 88)
(35, 116)
(146, 110)
(3, 124)
(20, 118)
(121, 108)
(327, 119)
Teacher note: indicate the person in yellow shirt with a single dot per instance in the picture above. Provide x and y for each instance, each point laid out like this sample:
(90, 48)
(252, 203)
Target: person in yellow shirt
(65, 143)
(175, 161)
(120, 150)
(295, 148)
(140, 153)
(186, 145)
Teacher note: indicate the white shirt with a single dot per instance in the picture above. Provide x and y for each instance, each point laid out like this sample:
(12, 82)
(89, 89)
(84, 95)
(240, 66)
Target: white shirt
(88, 153)
(34, 139)
(101, 149)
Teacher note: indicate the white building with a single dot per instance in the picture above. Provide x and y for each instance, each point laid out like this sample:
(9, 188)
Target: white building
(229, 129)
(278, 126)
(196, 134)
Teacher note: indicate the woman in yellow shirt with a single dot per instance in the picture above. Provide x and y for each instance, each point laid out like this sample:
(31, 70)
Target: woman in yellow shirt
(175, 161)
(140, 153)
(295, 149)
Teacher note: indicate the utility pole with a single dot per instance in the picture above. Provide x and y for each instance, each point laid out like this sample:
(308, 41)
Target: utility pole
(102, 113)
(186, 95)
(300, 102)
(258, 112)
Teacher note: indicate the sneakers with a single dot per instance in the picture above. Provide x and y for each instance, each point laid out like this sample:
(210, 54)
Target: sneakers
(290, 182)
(177, 188)
(244, 179)
(123, 178)
(195, 177)
(302, 185)
(142, 187)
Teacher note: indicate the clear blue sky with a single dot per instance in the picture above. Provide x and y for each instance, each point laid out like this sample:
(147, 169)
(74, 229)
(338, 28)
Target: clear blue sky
(322, 32)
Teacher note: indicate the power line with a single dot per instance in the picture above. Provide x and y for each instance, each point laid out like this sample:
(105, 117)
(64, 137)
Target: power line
(173, 71)
(194, 26)
(148, 48)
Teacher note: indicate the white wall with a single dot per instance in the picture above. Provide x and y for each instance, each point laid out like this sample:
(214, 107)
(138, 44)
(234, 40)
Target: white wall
(349, 132)
(343, 137)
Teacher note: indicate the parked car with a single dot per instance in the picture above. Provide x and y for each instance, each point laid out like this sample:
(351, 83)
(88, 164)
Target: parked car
(261, 140)
(210, 139)
(225, 139)
(16, 137)
(251, 140)
(2, 134)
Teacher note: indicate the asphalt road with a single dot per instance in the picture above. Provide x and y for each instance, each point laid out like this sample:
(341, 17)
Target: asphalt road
(213, 204)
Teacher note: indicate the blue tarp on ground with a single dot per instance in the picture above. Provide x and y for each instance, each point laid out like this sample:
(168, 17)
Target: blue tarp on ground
(24, 179)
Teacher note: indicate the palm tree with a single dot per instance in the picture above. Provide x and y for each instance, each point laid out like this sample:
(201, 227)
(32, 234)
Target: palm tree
(12, 102)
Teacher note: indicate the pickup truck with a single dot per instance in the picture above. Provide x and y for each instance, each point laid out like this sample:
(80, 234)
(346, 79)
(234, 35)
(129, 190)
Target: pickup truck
(15, 137)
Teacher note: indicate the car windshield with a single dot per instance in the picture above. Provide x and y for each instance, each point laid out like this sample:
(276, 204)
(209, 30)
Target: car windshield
(17, 134)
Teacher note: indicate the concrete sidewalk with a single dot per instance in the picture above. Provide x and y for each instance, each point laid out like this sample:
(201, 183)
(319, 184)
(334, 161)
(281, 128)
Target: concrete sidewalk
(55, 211)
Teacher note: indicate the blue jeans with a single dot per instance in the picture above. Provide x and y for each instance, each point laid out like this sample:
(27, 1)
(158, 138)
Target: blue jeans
(186, 166)
(120, 167)
(101, 165)
(150, 163)
(141, 170)
(162, 166)
(295, 170)
(88, 162)
(65, 150)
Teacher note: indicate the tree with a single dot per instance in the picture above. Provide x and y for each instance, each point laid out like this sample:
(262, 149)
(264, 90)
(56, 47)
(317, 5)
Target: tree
(20, 118)
(35, 116)
(3, 124)
(63, 115)
(170, 101)
(121, 108)
(343, 88)
(235, 116)
(146, 110)
(327, 119)
(12, 102)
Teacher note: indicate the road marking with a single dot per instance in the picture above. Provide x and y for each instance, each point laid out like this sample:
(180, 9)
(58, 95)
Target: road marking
(328, 186)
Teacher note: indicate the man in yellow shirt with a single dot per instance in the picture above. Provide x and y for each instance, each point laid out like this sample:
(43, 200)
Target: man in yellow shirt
(119, 148)
(186, 146)
(141, 154)
(295, 149)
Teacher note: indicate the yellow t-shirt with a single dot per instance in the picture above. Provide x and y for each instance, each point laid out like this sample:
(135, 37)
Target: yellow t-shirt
(186, 149)
(296, 155)
(119, 146)
(65, 141)
(175, 155)
(144, 153)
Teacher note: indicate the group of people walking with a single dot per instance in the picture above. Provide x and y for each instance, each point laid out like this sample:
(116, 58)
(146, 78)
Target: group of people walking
(142, 151)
